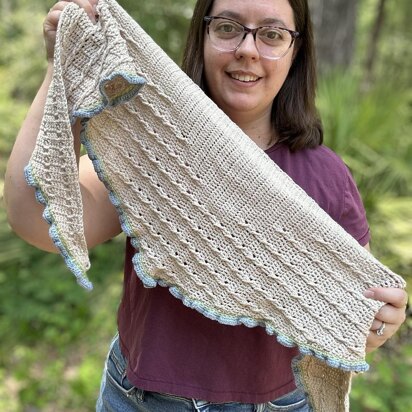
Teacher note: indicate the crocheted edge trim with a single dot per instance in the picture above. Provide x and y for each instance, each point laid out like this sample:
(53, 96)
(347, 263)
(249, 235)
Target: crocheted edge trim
(151, 282)
(301, 383)
(134, 85)
(284, 340)
(74, 266)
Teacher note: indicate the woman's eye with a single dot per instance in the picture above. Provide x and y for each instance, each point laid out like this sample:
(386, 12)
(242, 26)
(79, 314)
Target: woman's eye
(226, 28)
(271, 34)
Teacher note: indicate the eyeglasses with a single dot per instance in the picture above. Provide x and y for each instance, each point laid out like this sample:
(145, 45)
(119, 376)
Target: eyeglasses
(271, 42)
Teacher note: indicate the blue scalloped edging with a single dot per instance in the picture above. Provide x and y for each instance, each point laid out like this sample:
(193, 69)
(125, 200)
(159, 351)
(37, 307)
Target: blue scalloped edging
(148, 280)
(135, 82)
(74, 267)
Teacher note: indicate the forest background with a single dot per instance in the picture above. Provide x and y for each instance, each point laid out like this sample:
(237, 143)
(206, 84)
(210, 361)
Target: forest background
(54, 336)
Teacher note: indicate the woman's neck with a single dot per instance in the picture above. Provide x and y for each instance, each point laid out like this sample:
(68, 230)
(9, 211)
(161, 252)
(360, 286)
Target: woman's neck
(260, 130)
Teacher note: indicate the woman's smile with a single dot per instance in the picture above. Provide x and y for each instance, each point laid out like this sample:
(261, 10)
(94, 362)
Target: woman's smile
(244, 77)
(242, 82)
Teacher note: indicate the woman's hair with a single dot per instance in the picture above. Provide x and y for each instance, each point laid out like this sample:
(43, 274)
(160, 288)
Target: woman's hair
(294, 115)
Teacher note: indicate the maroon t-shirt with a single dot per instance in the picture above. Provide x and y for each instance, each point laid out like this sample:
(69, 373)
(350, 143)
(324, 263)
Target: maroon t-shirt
(173, 349)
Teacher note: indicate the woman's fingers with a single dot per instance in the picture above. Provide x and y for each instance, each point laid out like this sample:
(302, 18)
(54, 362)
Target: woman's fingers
(393, 312)
(89, 6)
(380, 332)
(52, 20)
(376, 324)
(394, 296)
(389, 318)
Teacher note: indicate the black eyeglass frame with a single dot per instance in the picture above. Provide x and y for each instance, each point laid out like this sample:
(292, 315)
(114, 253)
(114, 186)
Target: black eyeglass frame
(247, 30)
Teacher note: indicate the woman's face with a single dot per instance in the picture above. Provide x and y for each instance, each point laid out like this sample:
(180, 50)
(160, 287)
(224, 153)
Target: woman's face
(242, 83)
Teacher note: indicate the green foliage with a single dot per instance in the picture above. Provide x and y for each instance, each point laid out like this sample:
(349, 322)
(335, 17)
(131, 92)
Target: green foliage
(394, 53)
(49, 296)
(23, 56)
(371, 130)
(55, 335)
(21, 68)
(391, 374)
(167, 24)
(394, 216)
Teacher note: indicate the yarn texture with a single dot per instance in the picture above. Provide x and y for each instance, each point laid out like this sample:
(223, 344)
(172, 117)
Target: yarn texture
(210, 215)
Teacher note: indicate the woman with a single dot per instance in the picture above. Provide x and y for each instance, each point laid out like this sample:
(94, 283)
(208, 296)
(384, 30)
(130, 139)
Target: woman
(256, 61)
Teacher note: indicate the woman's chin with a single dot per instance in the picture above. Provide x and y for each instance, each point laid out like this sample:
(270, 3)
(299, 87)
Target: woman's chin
(239, 105)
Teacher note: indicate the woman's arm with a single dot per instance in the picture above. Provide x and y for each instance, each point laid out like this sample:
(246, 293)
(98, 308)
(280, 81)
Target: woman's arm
(24, 213)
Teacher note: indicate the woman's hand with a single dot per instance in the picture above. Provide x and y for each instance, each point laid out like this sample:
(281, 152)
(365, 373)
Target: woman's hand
(52, 20)
(389, 318)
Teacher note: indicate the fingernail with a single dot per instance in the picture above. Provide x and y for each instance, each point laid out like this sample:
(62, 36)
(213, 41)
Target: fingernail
(369, 294)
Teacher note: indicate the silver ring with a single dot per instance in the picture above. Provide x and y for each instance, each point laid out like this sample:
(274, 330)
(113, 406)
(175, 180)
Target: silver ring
(381, 330)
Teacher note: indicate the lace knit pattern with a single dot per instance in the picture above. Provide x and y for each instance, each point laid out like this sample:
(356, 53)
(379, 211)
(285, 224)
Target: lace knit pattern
(210, 216)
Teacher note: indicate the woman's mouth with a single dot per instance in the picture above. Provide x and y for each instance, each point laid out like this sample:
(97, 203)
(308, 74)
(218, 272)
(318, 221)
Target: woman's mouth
(244, 77)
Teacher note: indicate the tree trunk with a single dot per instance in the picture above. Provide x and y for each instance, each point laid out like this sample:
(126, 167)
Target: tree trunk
(374, 41)
(334, 23)
(5, 8)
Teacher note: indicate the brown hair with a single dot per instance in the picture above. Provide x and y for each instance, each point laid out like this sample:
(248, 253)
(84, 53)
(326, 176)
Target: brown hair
(294, 115)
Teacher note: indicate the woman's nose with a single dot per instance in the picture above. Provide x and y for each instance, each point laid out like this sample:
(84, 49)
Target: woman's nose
(247, 48)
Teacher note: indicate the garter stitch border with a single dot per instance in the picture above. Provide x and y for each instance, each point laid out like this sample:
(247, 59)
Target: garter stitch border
(193, 194)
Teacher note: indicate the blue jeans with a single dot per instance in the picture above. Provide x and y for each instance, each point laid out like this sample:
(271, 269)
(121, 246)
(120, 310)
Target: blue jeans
(117, 394)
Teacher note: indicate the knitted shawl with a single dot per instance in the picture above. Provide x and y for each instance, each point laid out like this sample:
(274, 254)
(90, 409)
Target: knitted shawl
(210, 215)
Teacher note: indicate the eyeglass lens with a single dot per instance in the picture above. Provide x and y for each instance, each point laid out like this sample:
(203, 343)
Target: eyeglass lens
(271, 42)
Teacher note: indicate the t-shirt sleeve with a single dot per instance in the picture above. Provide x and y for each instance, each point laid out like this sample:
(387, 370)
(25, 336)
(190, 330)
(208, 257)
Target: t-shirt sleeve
(353, 217)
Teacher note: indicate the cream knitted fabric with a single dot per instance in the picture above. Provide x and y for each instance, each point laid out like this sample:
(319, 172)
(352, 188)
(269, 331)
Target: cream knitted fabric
(208, 212)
